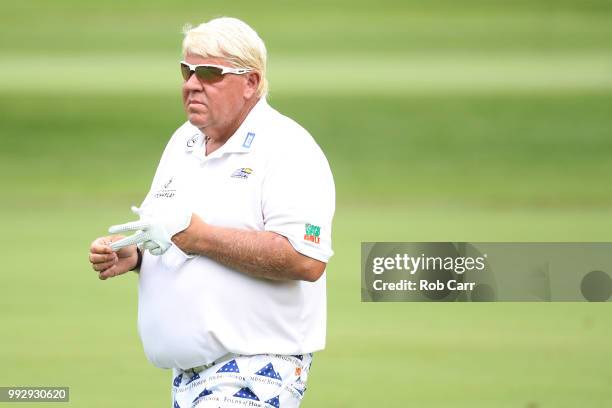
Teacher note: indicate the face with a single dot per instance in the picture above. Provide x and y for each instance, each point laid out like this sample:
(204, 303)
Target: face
(217, 105)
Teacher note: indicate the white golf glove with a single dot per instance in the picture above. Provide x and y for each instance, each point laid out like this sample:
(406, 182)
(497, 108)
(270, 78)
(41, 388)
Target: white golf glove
(155, 228)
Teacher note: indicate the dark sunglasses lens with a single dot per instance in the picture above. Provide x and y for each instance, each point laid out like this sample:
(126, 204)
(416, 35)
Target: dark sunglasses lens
(185, 71)
(209, 74)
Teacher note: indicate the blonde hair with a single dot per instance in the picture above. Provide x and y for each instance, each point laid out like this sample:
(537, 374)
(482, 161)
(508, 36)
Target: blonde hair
(230, 39)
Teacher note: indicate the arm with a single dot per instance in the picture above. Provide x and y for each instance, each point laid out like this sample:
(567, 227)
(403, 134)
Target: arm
(262, 254)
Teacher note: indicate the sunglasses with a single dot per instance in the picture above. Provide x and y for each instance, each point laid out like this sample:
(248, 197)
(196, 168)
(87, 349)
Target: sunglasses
(209, 72)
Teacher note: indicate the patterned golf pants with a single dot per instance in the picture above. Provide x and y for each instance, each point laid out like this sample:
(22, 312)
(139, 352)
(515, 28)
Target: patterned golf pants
(264, 380)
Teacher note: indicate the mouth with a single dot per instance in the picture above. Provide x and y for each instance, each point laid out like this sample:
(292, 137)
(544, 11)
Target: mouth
(194, 102)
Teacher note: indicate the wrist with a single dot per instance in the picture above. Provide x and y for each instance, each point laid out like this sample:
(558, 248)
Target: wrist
(136, 267)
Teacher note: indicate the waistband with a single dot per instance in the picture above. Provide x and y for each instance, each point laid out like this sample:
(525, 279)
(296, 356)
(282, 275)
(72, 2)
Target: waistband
(201, 368)
(226, 357)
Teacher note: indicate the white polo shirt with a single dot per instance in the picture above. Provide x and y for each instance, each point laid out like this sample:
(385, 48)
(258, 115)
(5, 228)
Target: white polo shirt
(269, 176)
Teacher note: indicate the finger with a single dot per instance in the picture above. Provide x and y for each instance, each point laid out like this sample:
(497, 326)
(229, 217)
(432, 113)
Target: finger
(100, 267)
(101, 246)
(108, 273)
(100, 258)
(129, 226)
(131, 240)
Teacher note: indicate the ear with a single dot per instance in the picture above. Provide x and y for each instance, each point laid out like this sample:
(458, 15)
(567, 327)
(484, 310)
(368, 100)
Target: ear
(252, 83)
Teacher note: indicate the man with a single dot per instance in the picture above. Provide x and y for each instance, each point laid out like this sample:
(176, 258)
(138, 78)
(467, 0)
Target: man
(233, 237)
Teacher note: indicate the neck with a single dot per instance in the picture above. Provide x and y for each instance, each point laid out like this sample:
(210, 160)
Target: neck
(217, 136)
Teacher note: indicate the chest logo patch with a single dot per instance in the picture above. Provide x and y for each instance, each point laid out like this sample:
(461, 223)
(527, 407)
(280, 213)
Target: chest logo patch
(167, 190)
(242, 173)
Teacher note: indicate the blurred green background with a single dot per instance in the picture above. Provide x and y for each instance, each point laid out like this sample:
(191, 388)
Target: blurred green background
(442, 121)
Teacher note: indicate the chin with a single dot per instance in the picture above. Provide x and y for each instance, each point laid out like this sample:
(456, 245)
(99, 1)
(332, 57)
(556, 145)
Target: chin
(196, 121)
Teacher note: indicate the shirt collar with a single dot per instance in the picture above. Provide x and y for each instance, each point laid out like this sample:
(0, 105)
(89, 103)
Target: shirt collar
(242, 141)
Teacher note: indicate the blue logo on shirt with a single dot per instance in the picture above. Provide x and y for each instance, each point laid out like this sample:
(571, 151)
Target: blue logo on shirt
(229, 367)
(246, 393)
(195, 376)
(274, 402)
(177, 380)
(203, 394)
(268, 371)
(248, 140)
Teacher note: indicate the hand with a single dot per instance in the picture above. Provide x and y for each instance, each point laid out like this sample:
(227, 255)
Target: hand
(108, 263)
(155, 229)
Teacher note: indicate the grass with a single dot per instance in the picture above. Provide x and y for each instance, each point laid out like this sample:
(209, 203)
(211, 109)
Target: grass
(408, 74)
(547, 151)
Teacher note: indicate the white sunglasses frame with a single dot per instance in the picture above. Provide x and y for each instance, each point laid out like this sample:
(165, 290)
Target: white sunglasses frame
(224, 70)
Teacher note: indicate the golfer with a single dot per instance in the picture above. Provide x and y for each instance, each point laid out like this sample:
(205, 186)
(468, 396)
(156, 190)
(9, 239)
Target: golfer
(232, 241)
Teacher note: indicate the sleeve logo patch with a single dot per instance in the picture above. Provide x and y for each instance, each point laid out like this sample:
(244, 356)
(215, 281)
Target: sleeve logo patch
(313, 233)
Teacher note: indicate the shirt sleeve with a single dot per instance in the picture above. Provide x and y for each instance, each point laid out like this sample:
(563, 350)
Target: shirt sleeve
(298, 199)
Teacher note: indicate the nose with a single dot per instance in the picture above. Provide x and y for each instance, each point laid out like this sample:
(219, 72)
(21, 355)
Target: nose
(193, 83)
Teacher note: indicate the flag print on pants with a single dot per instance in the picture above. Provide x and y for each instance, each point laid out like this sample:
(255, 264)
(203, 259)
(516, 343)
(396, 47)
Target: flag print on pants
(263, 380)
